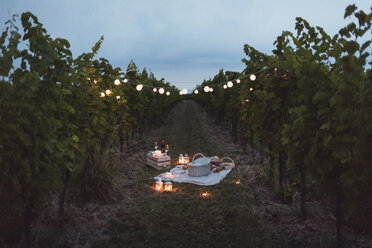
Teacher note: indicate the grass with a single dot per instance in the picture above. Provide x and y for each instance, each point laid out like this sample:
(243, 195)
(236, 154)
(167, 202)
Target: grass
(183, 218)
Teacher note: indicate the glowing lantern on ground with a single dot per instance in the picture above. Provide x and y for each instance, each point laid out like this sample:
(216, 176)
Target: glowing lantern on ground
(168, 186)
(125, 80)
(252, 77)
(230, 84)
(225, 86)
(108, 92)
(161, 91)
(238, 81)
(196, 92)
(237, 181)
(159, 185)
(168, 93)
(139, 87)
(181, 159)
(155, 89)
(205, 194)
(117, 82)
(206, 89)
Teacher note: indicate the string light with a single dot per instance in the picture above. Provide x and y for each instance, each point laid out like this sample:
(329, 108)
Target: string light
(225, 86)
(168, 93)
(206, 89)
(230, 84)
(246, 100)
(102, 94)
(183, 92)
(210, 89)
(125, 80)
(155, 89)
(252, 77)
(139, 87)
(108, 92)
(118, 97)
(238, 81)
(88, 79)
(196, 92)
(161, 91)
(95, 81)
(250, 89)
(117, 82)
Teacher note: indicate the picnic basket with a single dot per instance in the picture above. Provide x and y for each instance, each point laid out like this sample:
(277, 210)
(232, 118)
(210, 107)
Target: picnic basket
(199, 167)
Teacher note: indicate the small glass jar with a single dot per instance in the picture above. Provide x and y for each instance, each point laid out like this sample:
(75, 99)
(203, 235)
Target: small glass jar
(181, 159)
(159, 185)
(168, 186)
(186, 159)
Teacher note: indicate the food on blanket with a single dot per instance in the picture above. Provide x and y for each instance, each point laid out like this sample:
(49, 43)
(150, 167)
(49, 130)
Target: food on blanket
(212, 166)
(219, 169)
(185, 167)
(215, 161)
(227, 164)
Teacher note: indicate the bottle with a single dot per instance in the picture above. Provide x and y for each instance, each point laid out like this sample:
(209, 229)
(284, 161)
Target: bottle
(162, 146)
(186, 159)
(181, 159)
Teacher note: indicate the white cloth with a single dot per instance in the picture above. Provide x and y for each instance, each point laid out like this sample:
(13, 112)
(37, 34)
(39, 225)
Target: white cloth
(178, 175)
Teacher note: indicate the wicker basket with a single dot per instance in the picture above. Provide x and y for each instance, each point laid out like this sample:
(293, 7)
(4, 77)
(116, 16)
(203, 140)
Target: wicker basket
(199, 167)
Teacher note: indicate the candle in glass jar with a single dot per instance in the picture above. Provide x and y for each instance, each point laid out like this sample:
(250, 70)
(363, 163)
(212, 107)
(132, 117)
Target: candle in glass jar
(159, 185)
(168, 186)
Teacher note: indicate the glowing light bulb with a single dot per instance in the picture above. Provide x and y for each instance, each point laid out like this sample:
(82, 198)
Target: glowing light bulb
(230, 84)
(210, 89)
(250, 89)
(95, 81)
(181, 93)
(206, 89)
(161, 91)
(108, 92)
(117, 82)
(168, 93)
(196, 92)
(102, 94)
(88, 78)
(184, 91)
(225, 86)
(252, 77)
(139, 87)
(155, 89)
(125, 80)
(238, 81)
(118, 97)
(246, 100)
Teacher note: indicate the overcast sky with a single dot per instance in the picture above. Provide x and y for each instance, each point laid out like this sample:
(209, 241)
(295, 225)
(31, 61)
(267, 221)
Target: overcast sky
(181, 41)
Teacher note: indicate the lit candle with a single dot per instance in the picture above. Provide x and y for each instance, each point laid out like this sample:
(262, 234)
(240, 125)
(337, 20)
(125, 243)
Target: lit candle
(159, 185)
(168, 186)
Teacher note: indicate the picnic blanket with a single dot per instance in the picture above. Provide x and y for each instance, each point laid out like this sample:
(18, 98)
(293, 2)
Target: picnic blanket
(178, 175)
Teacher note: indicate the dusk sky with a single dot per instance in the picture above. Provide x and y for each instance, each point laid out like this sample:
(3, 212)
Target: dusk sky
(184, 42)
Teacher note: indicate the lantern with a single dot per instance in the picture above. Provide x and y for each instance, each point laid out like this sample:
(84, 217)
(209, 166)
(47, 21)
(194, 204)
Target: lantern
(252, 77)
(108, 92)
(168, 93)
(196, 92)
(139, 87)
(186, 159)
(225, 86)
(205, 194)
(159, 185)
(181, 159)
(206, 89)
(161, 91)
(230, 84)
(117, 82)
(238, 81)
(168, 186)
(154, 89)
(125, 80)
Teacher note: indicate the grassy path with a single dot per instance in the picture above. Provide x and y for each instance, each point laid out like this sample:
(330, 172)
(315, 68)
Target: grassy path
(183, 218)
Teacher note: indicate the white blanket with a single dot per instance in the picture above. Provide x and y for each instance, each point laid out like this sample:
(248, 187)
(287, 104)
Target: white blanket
(178, 175)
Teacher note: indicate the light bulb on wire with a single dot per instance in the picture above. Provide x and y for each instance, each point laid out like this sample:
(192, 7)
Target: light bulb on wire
(230, 84)
(117, 82)
(125, 80)
(161, 91)
(139, 87)
(206, 89)
(238, 81)
(224, 86)
(196, 92)
(168, 93)
(252, 77)
(154, 89)
(117, 97)
(102, 94)
(210, 89)
(108, 92)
